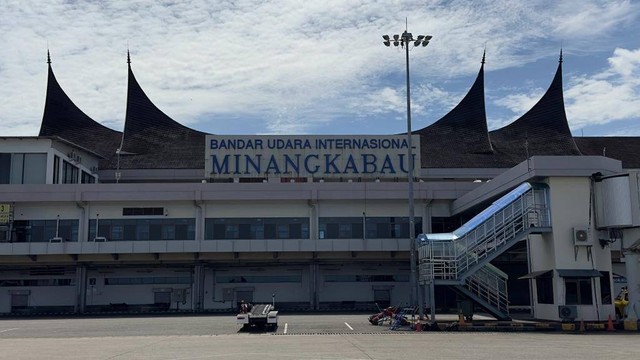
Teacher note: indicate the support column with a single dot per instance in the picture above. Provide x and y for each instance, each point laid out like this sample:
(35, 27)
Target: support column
(198, 287)
(313, 286)
(633, 285)
(427, 229)
(81, 289)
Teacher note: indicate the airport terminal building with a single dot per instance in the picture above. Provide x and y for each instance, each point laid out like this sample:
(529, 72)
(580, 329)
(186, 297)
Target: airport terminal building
(161, 217)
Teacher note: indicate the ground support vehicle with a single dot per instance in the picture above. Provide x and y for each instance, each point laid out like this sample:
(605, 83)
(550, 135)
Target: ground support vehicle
(260, 315)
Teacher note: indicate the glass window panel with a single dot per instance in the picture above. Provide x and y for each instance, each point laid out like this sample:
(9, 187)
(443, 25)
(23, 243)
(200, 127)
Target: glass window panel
(270, 231)
(283, 231)
(344, 231)
(605, 288)
(168, 231)
(181, 232)
(17, 166)
(208, 229)
(586, 297)
(333, 231)
(35, 169)
(257, 231)
(571, 292)
(155, 231)
(117, 232)
(231, 231)
(219, 231)
(356, 230)
(49, 229)
(244, 231)
(5, 168)
(143, 231)
(130, 231)
(295, 231)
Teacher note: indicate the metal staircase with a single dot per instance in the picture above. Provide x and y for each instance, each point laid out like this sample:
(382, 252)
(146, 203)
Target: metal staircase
(461, 259)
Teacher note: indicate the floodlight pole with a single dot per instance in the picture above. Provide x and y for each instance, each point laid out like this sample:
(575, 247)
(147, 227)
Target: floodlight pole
(416, 294)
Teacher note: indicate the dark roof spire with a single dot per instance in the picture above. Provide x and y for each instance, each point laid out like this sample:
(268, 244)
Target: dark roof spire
(158, 140)
(560, 56)
(543, 130)
(63, 118)
(48, 57)
(467, 123)
(483, 55)
(128, 57)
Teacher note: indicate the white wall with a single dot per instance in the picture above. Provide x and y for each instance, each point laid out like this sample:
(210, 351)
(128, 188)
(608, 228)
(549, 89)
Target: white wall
(570, 208)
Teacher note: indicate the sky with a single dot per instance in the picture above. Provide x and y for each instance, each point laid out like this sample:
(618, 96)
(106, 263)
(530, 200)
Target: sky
(235, 67)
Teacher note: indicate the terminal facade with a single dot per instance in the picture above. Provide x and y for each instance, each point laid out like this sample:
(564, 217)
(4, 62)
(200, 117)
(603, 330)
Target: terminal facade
(161, 217)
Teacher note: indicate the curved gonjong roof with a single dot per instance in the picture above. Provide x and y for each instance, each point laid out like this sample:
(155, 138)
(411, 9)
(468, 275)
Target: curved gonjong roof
(64, 119)
(543, 130)
(152, 140)
(460, 138)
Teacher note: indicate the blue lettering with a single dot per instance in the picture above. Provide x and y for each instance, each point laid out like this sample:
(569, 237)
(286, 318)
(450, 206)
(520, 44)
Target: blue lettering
(331, 164)
(306, 164)
(351, 165)
(402, 163)
(273, 165)
(249, 162)
(369, 161)
(295, 165)
(237, 158)
(387, 165)
(220, 168)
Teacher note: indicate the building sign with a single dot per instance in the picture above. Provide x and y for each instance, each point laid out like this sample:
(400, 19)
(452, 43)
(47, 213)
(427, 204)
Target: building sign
(310, 156)
(5, 213)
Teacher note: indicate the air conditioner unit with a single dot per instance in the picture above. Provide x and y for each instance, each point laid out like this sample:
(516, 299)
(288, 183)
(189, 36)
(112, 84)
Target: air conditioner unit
(100, 239)
(567, 312)
(56, 240)
(581, 237)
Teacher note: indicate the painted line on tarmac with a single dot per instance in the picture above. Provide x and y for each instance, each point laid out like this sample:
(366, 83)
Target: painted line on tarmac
(349, 326)
(286, 325)
(1, 331)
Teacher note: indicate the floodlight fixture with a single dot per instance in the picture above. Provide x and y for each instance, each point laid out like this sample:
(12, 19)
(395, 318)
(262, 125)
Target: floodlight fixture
(386, 41)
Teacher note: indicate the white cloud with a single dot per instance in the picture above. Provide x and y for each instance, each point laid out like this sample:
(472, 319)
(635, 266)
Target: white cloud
(608, 96)
(300, 66)
(520, 103)
(593, 19)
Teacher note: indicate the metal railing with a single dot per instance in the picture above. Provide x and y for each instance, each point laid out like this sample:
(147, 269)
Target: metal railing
(490, 285)
(463, 256)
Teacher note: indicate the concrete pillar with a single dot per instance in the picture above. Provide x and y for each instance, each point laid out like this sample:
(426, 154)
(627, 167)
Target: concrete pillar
(81, 289)
(313, 285)
(633, 285)
(198, 287)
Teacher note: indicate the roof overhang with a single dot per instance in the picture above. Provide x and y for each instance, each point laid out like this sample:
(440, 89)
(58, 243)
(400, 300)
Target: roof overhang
(537, 274)
(578, 273)
(536, 167)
